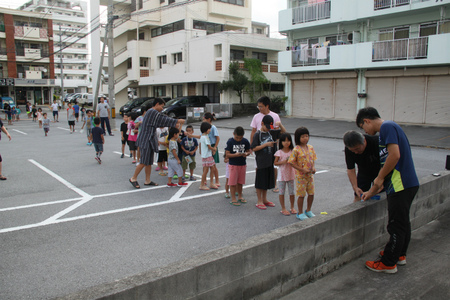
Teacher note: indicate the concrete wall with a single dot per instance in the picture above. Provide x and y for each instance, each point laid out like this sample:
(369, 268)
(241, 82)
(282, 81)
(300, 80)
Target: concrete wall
(274, 264)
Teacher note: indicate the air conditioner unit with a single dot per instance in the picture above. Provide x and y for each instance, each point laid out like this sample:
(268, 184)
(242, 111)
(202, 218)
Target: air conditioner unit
(354, 37)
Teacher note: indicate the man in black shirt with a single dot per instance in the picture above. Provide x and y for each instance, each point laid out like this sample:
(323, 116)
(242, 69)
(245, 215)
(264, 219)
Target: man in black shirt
(361, 150)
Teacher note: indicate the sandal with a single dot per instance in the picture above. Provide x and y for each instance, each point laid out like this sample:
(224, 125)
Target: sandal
(135, 184)
(151, 183)
(243, 201)
(214, 187)
(2, 177)
(276, 190)
(162, 174)
(261, 206)
(235, 203)
(204, 188)
(227, 196)
(293, 211)
(269, 204)
(285, 213)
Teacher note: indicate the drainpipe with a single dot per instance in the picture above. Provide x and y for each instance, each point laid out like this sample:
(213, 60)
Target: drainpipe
(362, 95)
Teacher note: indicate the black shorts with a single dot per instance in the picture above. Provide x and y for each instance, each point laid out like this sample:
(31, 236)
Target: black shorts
(71, 123)
(132, 145)
(77, 115)
(162, 155)
(265, 178)
(55, 113)
(125, 140)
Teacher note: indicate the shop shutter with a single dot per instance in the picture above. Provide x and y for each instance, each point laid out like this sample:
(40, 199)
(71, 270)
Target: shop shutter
(438, 100)
(345, 99)
(409, 99)
(323, 98)
(380, 93)
(301, 98)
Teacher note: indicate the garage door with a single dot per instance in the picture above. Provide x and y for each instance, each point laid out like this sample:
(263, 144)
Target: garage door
(409, 99)
(323, 98)
(301, 98)
(438, 100)
(345, 99)
(380, 93)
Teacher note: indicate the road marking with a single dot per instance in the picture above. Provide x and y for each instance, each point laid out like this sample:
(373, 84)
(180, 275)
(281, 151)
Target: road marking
(20, 132)
(40, 204)
(446, 137)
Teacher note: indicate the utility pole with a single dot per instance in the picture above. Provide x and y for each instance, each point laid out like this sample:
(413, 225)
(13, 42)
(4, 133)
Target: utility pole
(61, 66)
(100, 68)
(111, 92)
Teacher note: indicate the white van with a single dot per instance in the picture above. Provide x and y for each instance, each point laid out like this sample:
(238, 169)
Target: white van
(86, 98)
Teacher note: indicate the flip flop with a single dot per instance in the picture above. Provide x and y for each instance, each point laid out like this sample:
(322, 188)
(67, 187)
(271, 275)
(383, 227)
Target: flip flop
(151, 183)
(293, 211)
(135, 184)
(243, 201)
(235, 203)
(261, 206)
(285, 213)
(218, 184)
(205, 188)
(276, 190)
(214, 187)
(2, 177)
(269, 204)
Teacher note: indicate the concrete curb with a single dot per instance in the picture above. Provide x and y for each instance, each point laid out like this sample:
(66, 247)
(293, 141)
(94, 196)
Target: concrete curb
(271, 265)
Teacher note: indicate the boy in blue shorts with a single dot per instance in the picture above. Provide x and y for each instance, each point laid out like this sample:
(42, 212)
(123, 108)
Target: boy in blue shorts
(189, 146)
(400, 181)
(98, 139)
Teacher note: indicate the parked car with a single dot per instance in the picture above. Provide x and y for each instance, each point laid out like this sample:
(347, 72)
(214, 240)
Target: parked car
(148, 103)
(132, 104)
(86, 98)
(176, 108)
(74, 97)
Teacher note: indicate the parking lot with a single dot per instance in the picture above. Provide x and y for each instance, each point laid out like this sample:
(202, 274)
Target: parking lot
(68, 223)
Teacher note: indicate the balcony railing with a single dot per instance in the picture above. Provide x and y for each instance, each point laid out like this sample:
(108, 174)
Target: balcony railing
(402, 49)
(312, 12)
(382, 4)
(311, 57)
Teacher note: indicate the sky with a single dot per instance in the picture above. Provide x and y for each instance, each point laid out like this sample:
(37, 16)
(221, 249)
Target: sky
(264, 11)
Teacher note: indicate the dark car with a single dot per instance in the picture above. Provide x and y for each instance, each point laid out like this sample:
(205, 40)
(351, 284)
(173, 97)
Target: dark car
(132, 104)
(176, 108)
(147, 103)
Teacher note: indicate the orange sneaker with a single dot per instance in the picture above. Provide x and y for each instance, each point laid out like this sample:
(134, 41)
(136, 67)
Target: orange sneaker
(378, 266)
(401, 260)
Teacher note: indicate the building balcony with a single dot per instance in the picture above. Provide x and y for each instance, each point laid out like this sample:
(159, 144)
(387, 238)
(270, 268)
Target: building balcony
(30, 33)
(325, 12)
(414, 52)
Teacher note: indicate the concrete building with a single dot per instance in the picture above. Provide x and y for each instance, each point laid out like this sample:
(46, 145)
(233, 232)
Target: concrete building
(26, 56)
(70, 30)
(343, 55)
(178, 48)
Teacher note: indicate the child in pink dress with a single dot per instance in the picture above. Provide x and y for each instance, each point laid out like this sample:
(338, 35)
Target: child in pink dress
(286, 173)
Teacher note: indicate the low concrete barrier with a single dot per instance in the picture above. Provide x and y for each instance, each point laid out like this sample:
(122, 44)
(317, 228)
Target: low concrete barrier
(271, 265)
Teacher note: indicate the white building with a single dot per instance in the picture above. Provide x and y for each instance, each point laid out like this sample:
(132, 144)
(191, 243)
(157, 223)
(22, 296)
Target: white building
(343, 55)
(178, 48)
(70, 28)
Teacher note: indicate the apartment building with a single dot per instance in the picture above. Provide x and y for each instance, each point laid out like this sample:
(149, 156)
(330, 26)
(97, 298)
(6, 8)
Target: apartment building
(70, 33)
(26, 60)
(176, 48)
(343, 55)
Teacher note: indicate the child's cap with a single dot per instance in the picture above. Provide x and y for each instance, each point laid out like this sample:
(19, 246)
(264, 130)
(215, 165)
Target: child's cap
(268, 121)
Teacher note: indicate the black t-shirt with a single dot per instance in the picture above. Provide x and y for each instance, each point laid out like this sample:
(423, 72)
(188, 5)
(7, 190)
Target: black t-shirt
(124, 129)
(265, 156)
(368, 162)
(237, 147)
(97, 135)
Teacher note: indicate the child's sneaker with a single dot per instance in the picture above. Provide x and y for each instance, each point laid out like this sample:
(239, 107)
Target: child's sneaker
(183, 183)
(175, 176)
(120, 156)
(97, 159)
(157, 169)
(401, 260)
(186, 176)
(162, 173)
(309, 214)
(192, 178)
(88, 144)
(378, 266)
(166, 168)
(171, 185)
(301, 217)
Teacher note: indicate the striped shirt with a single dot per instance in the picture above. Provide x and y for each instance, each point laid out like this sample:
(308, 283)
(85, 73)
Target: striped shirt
(153, 119)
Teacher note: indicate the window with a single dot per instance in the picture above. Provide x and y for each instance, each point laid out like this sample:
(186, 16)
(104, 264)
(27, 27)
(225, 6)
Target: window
(171, 1)
(179, 25)
(444, 27)
(236, 54)
(259, 55)
(177, 91)
(162, 60)
(393, 34)
(159, 91)
(141, 36)
(236, 2)
(274, 87)
(212, 91)
(177, 57)
(428, 29)
(129, 63)
(209, 27)
(143, 61)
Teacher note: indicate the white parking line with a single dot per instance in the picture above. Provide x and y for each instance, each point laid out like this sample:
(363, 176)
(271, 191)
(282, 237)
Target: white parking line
(20, 132)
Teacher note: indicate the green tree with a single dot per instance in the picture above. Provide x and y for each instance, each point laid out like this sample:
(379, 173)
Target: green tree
(238, 80)
(255, 86)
